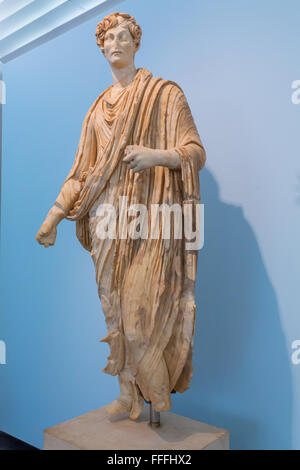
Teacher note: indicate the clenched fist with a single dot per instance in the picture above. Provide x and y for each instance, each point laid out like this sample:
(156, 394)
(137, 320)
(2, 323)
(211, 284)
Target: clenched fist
(47, 234)
(140, 158)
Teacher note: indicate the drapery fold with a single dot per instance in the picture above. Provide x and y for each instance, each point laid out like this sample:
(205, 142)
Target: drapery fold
(148, 292)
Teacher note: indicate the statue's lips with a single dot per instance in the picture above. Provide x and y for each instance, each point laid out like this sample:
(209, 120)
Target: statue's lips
(116, 52)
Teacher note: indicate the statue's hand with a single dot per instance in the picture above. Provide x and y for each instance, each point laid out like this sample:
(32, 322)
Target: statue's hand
(140, 158)
(47, 234)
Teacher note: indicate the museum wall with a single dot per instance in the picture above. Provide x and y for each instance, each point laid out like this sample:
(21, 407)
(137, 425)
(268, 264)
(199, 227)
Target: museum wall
(236, 62)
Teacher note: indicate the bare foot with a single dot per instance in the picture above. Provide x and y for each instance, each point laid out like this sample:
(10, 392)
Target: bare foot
(117, 407)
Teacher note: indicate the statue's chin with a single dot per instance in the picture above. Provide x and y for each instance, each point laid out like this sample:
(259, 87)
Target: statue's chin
(120, 62)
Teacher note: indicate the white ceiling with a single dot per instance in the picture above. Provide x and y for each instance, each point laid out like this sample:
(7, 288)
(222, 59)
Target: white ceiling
(24, 24)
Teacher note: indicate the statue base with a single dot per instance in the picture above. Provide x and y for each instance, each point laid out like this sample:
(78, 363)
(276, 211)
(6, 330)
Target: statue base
(97, 431)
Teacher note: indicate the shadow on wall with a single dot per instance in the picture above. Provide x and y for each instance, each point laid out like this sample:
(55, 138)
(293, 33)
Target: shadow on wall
(242, 376)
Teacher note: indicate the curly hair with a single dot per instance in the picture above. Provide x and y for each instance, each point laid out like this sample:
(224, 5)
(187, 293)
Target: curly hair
(111, 21)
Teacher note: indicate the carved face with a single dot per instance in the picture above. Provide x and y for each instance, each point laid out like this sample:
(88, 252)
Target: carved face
(119, 47)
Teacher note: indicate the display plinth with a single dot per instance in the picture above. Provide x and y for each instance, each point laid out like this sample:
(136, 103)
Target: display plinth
(97, 431)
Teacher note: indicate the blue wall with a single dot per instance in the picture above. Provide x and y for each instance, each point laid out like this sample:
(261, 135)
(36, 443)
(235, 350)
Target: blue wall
(236, 62)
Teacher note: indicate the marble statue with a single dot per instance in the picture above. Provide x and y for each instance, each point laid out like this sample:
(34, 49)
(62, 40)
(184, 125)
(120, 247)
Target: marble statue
(138, 143)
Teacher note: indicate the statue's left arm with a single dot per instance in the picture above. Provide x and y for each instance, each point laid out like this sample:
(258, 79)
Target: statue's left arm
(185, 153)
(188, 153)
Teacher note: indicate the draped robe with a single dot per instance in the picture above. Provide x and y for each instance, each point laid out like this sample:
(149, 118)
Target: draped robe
(146, 286)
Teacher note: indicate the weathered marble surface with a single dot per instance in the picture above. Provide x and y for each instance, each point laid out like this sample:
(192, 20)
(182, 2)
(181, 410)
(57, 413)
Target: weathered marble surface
(138, 141)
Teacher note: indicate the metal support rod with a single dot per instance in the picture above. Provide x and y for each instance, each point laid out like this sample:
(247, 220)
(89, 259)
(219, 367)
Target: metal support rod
(154, 420)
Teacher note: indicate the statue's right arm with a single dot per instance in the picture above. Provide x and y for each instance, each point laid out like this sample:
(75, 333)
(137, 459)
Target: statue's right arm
(69, 192)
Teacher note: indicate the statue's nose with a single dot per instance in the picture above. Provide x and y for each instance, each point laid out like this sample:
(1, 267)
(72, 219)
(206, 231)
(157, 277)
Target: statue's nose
(115, 42)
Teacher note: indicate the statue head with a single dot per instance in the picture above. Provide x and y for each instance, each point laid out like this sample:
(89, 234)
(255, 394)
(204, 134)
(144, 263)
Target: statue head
(118, 35)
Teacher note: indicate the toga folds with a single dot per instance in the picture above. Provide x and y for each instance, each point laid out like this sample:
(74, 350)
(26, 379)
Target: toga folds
(146, 285)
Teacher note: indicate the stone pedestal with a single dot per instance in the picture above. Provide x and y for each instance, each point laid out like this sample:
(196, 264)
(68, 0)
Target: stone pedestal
(97, 431)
